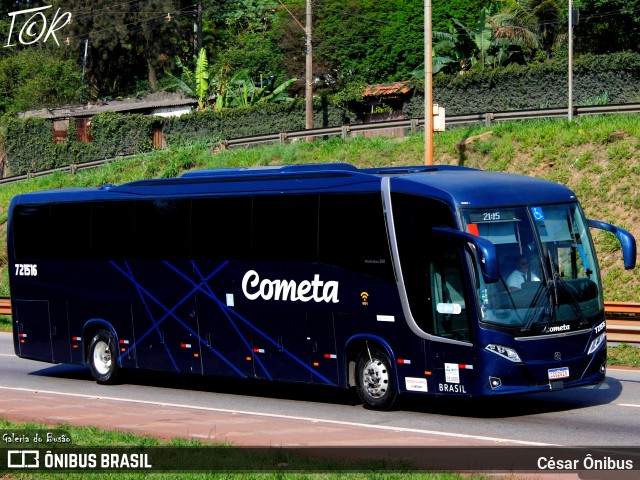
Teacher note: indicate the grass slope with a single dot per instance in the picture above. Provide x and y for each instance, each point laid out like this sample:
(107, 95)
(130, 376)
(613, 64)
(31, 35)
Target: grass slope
(595, 156)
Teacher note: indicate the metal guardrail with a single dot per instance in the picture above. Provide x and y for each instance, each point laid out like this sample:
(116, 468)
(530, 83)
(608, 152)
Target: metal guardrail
(623, 320)
(5, 306)
(73, 168)
(413, 124)
(347, 130)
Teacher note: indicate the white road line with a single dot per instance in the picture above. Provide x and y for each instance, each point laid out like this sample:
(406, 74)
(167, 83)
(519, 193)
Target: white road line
(288, 417)
(627, 405)
(7, 355)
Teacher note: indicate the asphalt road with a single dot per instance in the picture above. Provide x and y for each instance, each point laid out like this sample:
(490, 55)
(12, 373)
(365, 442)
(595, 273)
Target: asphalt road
(605, 415)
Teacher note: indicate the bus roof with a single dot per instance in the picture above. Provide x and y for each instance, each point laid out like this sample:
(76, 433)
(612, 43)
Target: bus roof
(458, 186)
(478, 188)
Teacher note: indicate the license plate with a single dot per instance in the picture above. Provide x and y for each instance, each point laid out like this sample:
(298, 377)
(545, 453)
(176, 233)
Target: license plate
(555, 373)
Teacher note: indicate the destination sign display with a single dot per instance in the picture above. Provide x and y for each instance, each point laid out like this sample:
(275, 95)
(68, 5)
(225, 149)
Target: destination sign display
(493, 216)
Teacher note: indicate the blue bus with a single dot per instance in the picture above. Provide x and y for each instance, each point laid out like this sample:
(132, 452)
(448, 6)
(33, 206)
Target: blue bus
(391, 280)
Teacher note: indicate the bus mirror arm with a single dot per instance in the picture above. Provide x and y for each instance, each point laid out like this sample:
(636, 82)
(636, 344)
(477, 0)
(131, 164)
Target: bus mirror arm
(627, 241)
(486, 251)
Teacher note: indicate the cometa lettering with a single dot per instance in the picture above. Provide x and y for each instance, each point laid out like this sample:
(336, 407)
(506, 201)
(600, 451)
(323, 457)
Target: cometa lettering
(288, 290)
(559, 328)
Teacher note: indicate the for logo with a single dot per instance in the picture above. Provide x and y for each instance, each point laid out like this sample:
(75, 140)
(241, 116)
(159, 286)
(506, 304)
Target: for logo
(557, 356)
(23, 459)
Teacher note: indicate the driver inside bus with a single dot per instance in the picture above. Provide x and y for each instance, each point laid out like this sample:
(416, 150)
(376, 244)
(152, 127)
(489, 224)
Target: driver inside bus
(521, 274)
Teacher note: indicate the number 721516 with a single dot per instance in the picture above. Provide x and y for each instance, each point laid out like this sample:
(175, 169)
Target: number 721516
(26, 270)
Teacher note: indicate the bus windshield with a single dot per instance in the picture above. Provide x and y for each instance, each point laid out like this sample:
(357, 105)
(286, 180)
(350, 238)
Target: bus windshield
(549, 279)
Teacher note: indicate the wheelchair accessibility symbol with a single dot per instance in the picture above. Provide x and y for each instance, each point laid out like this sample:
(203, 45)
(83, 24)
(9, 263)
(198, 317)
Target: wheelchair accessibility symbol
(537, 214)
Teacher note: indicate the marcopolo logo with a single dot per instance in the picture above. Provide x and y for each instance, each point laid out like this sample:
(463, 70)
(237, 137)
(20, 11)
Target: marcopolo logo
(289, 290)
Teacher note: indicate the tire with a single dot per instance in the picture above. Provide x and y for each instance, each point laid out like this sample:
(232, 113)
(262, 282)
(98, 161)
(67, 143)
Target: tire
(374, 380)
(103, 357)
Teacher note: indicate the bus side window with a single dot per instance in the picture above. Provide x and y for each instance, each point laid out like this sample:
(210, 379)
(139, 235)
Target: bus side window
(32, 224)
(449, 307)
(353, 234)
(221, 228)
(161, 230)
(285, 228)
(70, 235)
(58, 231)
(112, 225)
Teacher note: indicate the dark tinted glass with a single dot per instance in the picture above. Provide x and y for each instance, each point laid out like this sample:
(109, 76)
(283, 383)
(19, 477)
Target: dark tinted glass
(353, 234)
(162, 229)
(285, 228)
(70, 230)
(31, 232)
(112, 230)
(221, 228)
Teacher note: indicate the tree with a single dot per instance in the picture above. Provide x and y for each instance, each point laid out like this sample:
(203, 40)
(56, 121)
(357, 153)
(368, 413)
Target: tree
(372, 40)
(33, 78)
(243, 37)
(524, 20)
(354, 40)
(464, 11)
(126, 41)
(607, 26)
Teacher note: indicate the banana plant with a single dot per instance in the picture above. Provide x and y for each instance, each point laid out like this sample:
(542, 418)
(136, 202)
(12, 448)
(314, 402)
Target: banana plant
(247, 93)
(202, 79)
(229, 91)
(480, 35)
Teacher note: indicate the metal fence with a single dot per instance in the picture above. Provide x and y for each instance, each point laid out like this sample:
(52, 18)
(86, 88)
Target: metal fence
(346, 131)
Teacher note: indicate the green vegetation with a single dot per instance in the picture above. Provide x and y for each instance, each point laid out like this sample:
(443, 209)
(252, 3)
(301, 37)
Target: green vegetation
(287, 466)
(355, 42)
(623, 355)
(35, 79)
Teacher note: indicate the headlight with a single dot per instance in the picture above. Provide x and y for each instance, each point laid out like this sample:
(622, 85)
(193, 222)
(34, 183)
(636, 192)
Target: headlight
(597, 343)
(504, 352)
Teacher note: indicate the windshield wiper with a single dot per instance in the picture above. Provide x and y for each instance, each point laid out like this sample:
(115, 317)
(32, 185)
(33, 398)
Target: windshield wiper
(560, 283)
(538, 307)
(574, 304)
(551, 290)
(554, 278)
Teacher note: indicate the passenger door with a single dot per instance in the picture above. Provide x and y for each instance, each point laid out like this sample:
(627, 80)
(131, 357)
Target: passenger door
(452, 351)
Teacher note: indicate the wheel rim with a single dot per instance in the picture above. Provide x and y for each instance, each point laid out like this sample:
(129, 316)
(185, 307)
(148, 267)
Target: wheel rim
(102, 357)
(375, 378)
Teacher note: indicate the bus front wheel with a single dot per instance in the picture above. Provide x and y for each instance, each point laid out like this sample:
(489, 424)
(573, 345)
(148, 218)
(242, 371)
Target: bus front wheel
(103, 357)
(374, 380)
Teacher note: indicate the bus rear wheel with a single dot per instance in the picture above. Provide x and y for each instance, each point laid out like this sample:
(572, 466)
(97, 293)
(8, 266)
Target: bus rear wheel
(374, 380)
(103, 357)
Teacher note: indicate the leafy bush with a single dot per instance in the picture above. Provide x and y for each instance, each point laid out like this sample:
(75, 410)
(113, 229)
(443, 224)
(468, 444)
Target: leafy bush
(28, 143)
(116, 134)
(262, 119)
(33, 78)
(539, 85)
(30, 147)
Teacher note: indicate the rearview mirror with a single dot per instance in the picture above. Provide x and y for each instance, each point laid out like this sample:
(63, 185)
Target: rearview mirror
(627, 241)
(486, 251)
